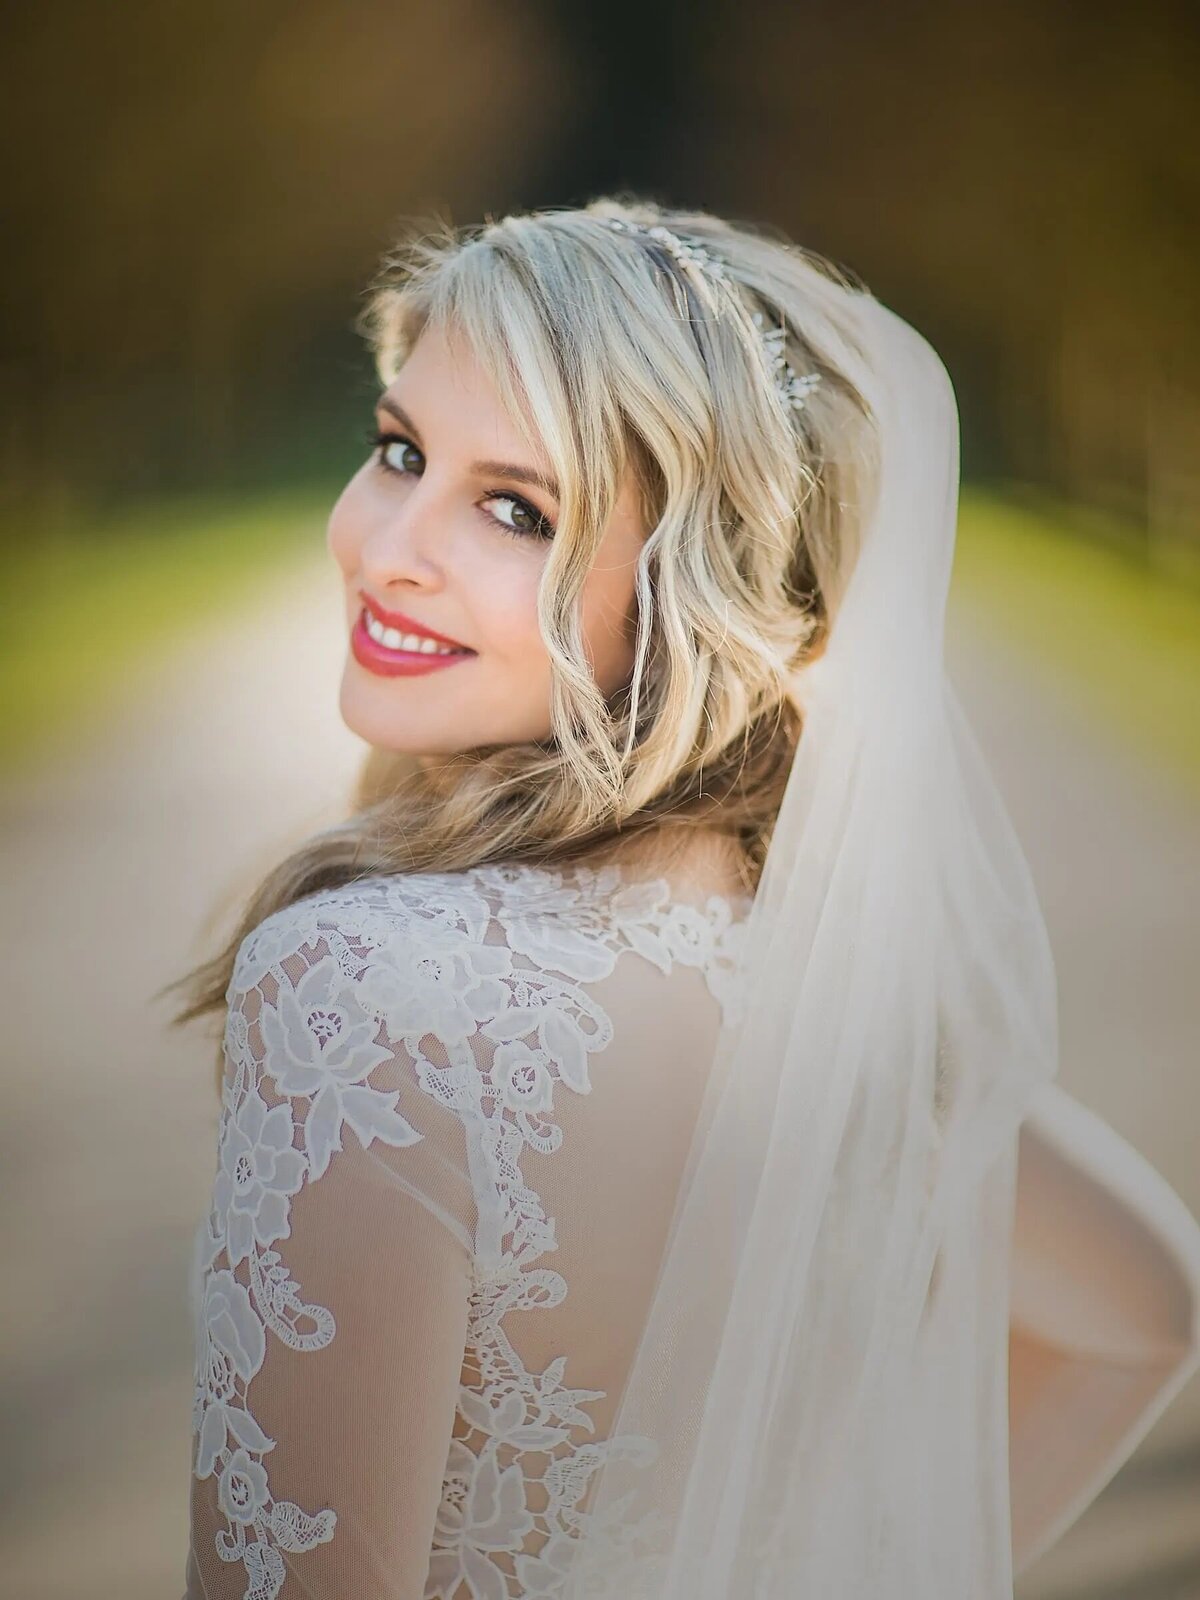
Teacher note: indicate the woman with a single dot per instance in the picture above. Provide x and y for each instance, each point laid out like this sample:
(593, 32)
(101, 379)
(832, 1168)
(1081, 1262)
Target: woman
(620, 1111)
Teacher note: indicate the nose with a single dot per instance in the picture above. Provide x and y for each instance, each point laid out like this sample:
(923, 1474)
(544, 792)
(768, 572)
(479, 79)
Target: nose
(405, 545)
(397, 554)
(410, 532)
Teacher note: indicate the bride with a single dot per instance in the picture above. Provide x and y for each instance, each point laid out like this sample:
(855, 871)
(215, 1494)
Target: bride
(640, 1170)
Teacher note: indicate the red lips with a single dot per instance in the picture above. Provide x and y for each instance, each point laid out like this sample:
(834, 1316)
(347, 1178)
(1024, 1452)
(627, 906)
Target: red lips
(397, 619)
(387, 663)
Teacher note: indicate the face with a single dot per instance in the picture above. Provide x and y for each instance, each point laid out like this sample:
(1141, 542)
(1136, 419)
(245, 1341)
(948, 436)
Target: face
(443, 534)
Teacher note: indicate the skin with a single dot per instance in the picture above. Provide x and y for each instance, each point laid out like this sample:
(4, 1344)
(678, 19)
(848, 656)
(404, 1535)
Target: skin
(453, 549)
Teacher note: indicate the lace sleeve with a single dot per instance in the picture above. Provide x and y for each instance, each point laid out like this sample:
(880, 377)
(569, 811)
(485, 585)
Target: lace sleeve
(329, 1286)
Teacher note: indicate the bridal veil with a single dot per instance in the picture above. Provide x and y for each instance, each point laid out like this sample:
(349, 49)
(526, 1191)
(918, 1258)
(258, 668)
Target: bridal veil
(817, 1406)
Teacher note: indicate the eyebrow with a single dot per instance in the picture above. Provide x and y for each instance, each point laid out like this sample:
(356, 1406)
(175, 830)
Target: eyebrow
(496, 469)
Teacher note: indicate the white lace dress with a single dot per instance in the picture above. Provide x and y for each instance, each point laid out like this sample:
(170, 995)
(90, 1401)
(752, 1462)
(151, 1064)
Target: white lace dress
(454, 1114)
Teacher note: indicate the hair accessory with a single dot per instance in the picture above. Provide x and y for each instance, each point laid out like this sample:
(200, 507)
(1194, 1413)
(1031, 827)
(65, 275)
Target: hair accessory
(793, 388)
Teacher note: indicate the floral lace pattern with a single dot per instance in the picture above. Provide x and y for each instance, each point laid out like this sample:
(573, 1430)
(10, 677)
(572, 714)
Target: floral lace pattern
(492, 1028)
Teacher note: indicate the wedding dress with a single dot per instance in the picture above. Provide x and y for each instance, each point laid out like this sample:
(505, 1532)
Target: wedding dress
(455, 1112)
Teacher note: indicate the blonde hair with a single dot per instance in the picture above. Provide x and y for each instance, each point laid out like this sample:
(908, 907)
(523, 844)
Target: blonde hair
(754, 518)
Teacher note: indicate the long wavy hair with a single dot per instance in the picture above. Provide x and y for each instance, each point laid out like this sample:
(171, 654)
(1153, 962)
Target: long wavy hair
(605, 361)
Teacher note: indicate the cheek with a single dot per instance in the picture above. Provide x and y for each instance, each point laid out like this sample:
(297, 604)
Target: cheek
(500, 589)
(609, 624)
(343, 533)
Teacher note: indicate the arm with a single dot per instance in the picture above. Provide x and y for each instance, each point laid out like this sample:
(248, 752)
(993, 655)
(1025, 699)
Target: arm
(1104, 1314)
(330, 1295)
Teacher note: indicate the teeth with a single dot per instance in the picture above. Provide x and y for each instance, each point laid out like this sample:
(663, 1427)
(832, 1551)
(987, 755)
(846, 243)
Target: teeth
(417, 643)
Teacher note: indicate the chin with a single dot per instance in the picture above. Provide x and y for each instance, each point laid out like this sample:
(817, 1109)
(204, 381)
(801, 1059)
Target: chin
(374, 712)
(380, 726)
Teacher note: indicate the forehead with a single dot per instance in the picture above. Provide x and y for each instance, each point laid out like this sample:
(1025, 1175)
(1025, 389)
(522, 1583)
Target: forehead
(443, 384)
(443, 359)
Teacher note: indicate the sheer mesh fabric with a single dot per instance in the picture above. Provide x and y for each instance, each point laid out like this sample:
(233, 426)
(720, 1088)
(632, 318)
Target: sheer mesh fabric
(455, 1114)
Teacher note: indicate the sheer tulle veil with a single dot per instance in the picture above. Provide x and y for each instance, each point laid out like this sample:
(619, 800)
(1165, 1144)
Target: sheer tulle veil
(817, 1409)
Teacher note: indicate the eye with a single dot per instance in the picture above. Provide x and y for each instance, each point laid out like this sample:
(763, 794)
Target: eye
(527, 523)
(382, 442)
(522, 520)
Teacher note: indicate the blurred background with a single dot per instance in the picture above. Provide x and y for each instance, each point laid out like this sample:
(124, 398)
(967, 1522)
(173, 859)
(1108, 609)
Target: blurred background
(194, 200)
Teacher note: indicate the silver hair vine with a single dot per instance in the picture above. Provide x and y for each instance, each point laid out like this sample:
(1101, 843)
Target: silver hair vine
(793, 388)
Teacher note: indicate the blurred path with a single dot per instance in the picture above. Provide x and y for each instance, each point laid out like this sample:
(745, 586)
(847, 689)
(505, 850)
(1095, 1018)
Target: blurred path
(113, 857)
(112, 860)
(1115, 852)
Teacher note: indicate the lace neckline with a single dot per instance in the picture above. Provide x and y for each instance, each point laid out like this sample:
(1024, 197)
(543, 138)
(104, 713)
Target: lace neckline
(542, 885)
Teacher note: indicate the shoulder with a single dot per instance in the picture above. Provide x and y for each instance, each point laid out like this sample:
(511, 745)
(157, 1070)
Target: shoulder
(421, 1010)
(359, 923)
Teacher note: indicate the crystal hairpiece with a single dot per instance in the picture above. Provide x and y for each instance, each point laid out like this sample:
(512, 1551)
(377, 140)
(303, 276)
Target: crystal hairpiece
(794, 389)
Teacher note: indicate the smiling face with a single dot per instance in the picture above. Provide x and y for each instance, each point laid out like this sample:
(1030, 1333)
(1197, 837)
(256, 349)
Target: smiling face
(447, 528)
